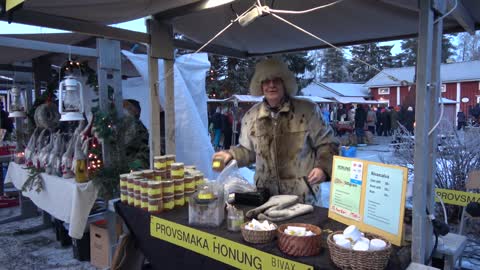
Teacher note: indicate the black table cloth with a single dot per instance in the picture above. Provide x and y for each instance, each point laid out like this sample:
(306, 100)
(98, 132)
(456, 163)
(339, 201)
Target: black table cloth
(165, 255)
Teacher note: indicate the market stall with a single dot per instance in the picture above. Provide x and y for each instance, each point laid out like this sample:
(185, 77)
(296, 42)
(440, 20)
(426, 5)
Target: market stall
(245, 43)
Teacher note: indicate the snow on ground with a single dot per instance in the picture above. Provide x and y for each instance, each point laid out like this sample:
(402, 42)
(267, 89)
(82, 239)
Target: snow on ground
(22, 250)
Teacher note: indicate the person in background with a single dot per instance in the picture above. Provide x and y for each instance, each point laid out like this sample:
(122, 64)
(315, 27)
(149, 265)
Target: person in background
(384, 122)
(284, 136)
(217, 127)
(378, 124)
(461, 120)
(360, 122)
(5, 122)
(341, 113)
(227, 128)
(394, 117)
(371, 120)
(135, 140)
(326, 115)
(410, 119)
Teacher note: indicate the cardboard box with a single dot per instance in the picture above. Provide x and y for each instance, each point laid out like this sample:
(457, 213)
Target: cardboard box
(99, 245)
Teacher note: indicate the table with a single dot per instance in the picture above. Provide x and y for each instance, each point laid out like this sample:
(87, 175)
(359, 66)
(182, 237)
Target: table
(62, 198)
(165, 255)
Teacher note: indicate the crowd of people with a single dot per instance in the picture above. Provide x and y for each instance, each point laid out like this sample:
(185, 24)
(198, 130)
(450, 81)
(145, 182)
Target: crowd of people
(221, 128)
(381, 121)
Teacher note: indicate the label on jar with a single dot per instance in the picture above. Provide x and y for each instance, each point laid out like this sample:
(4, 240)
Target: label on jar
(152, 207)
(143, 204)
(154, 191)
(160, 165)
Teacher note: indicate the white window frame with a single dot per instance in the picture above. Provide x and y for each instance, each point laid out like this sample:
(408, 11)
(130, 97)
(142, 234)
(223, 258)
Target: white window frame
(444, 88)
(384, 91)
(479, 86)
(478, 99)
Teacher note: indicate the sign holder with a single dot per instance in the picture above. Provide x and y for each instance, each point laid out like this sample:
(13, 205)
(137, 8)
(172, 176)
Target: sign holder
(366, 196)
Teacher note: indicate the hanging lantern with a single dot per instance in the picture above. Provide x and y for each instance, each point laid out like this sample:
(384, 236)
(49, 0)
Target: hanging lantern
(71, 99)
(16, 99)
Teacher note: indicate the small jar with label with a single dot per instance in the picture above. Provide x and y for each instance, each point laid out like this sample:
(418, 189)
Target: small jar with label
(137, 202)
(177, 170)
(234, 219)
(124, 182)
(124, 197)
(179, 185)
(168, 188)
(130, 183)
(188, 195)
(179, 199)
(168, 202)
(155, 190)
(131, 198)
(218, 164)
(189, 182)
(160, 163)
(170, 160)
(158, 175)
(155, 206)
(199, 180)
(149, 174)
(144, 202)
(144, 187)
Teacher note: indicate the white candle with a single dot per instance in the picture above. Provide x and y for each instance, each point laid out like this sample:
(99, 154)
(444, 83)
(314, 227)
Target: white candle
(377, 244)
(352, 232)
(360, 246)
(344, 243)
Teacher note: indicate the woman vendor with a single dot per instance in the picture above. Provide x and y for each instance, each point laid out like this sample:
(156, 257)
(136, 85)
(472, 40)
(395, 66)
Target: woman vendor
(285, 136)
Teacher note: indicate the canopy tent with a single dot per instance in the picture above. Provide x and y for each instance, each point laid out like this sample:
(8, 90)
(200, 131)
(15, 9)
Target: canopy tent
(349, 22)
(359, 21)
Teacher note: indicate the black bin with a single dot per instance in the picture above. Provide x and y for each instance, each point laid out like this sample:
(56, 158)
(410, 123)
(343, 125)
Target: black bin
(81, 247)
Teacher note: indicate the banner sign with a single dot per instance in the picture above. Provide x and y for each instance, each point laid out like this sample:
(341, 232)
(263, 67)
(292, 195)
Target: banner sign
(12, 3)
(456, 197)
(218, 248)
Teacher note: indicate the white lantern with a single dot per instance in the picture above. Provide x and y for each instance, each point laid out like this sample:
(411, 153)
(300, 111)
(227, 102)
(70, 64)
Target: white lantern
(16, 101)
(71, 99)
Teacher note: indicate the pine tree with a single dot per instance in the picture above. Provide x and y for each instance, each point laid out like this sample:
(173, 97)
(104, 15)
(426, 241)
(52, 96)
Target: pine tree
(378, 58)
(334, 66)
(300, 64)
(468, 47)
(408, 56)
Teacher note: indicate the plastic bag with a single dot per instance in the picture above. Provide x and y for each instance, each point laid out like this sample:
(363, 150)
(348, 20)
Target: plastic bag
(233, 181)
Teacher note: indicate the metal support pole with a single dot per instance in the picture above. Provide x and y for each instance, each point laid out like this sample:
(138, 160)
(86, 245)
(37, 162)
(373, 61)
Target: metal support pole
(433, 99)
(423, 164)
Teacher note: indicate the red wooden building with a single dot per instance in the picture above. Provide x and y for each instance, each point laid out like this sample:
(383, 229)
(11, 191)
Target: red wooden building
(460, 82)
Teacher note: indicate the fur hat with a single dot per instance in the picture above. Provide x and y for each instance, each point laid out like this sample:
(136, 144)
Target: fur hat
(270, 69)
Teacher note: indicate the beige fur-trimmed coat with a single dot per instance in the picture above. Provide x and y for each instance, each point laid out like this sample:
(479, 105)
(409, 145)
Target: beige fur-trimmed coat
(286, 146)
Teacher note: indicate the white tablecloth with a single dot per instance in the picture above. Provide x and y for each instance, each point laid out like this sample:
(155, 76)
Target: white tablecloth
(62, 198)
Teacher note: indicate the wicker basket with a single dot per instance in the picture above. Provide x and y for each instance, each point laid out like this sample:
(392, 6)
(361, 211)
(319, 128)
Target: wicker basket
(258, 237)
(359, 260)
(299, 245)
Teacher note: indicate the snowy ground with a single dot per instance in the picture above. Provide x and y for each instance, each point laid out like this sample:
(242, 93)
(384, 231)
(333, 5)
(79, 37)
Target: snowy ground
(20, 249)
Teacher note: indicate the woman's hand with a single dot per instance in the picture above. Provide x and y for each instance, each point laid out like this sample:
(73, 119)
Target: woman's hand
(316, 176)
